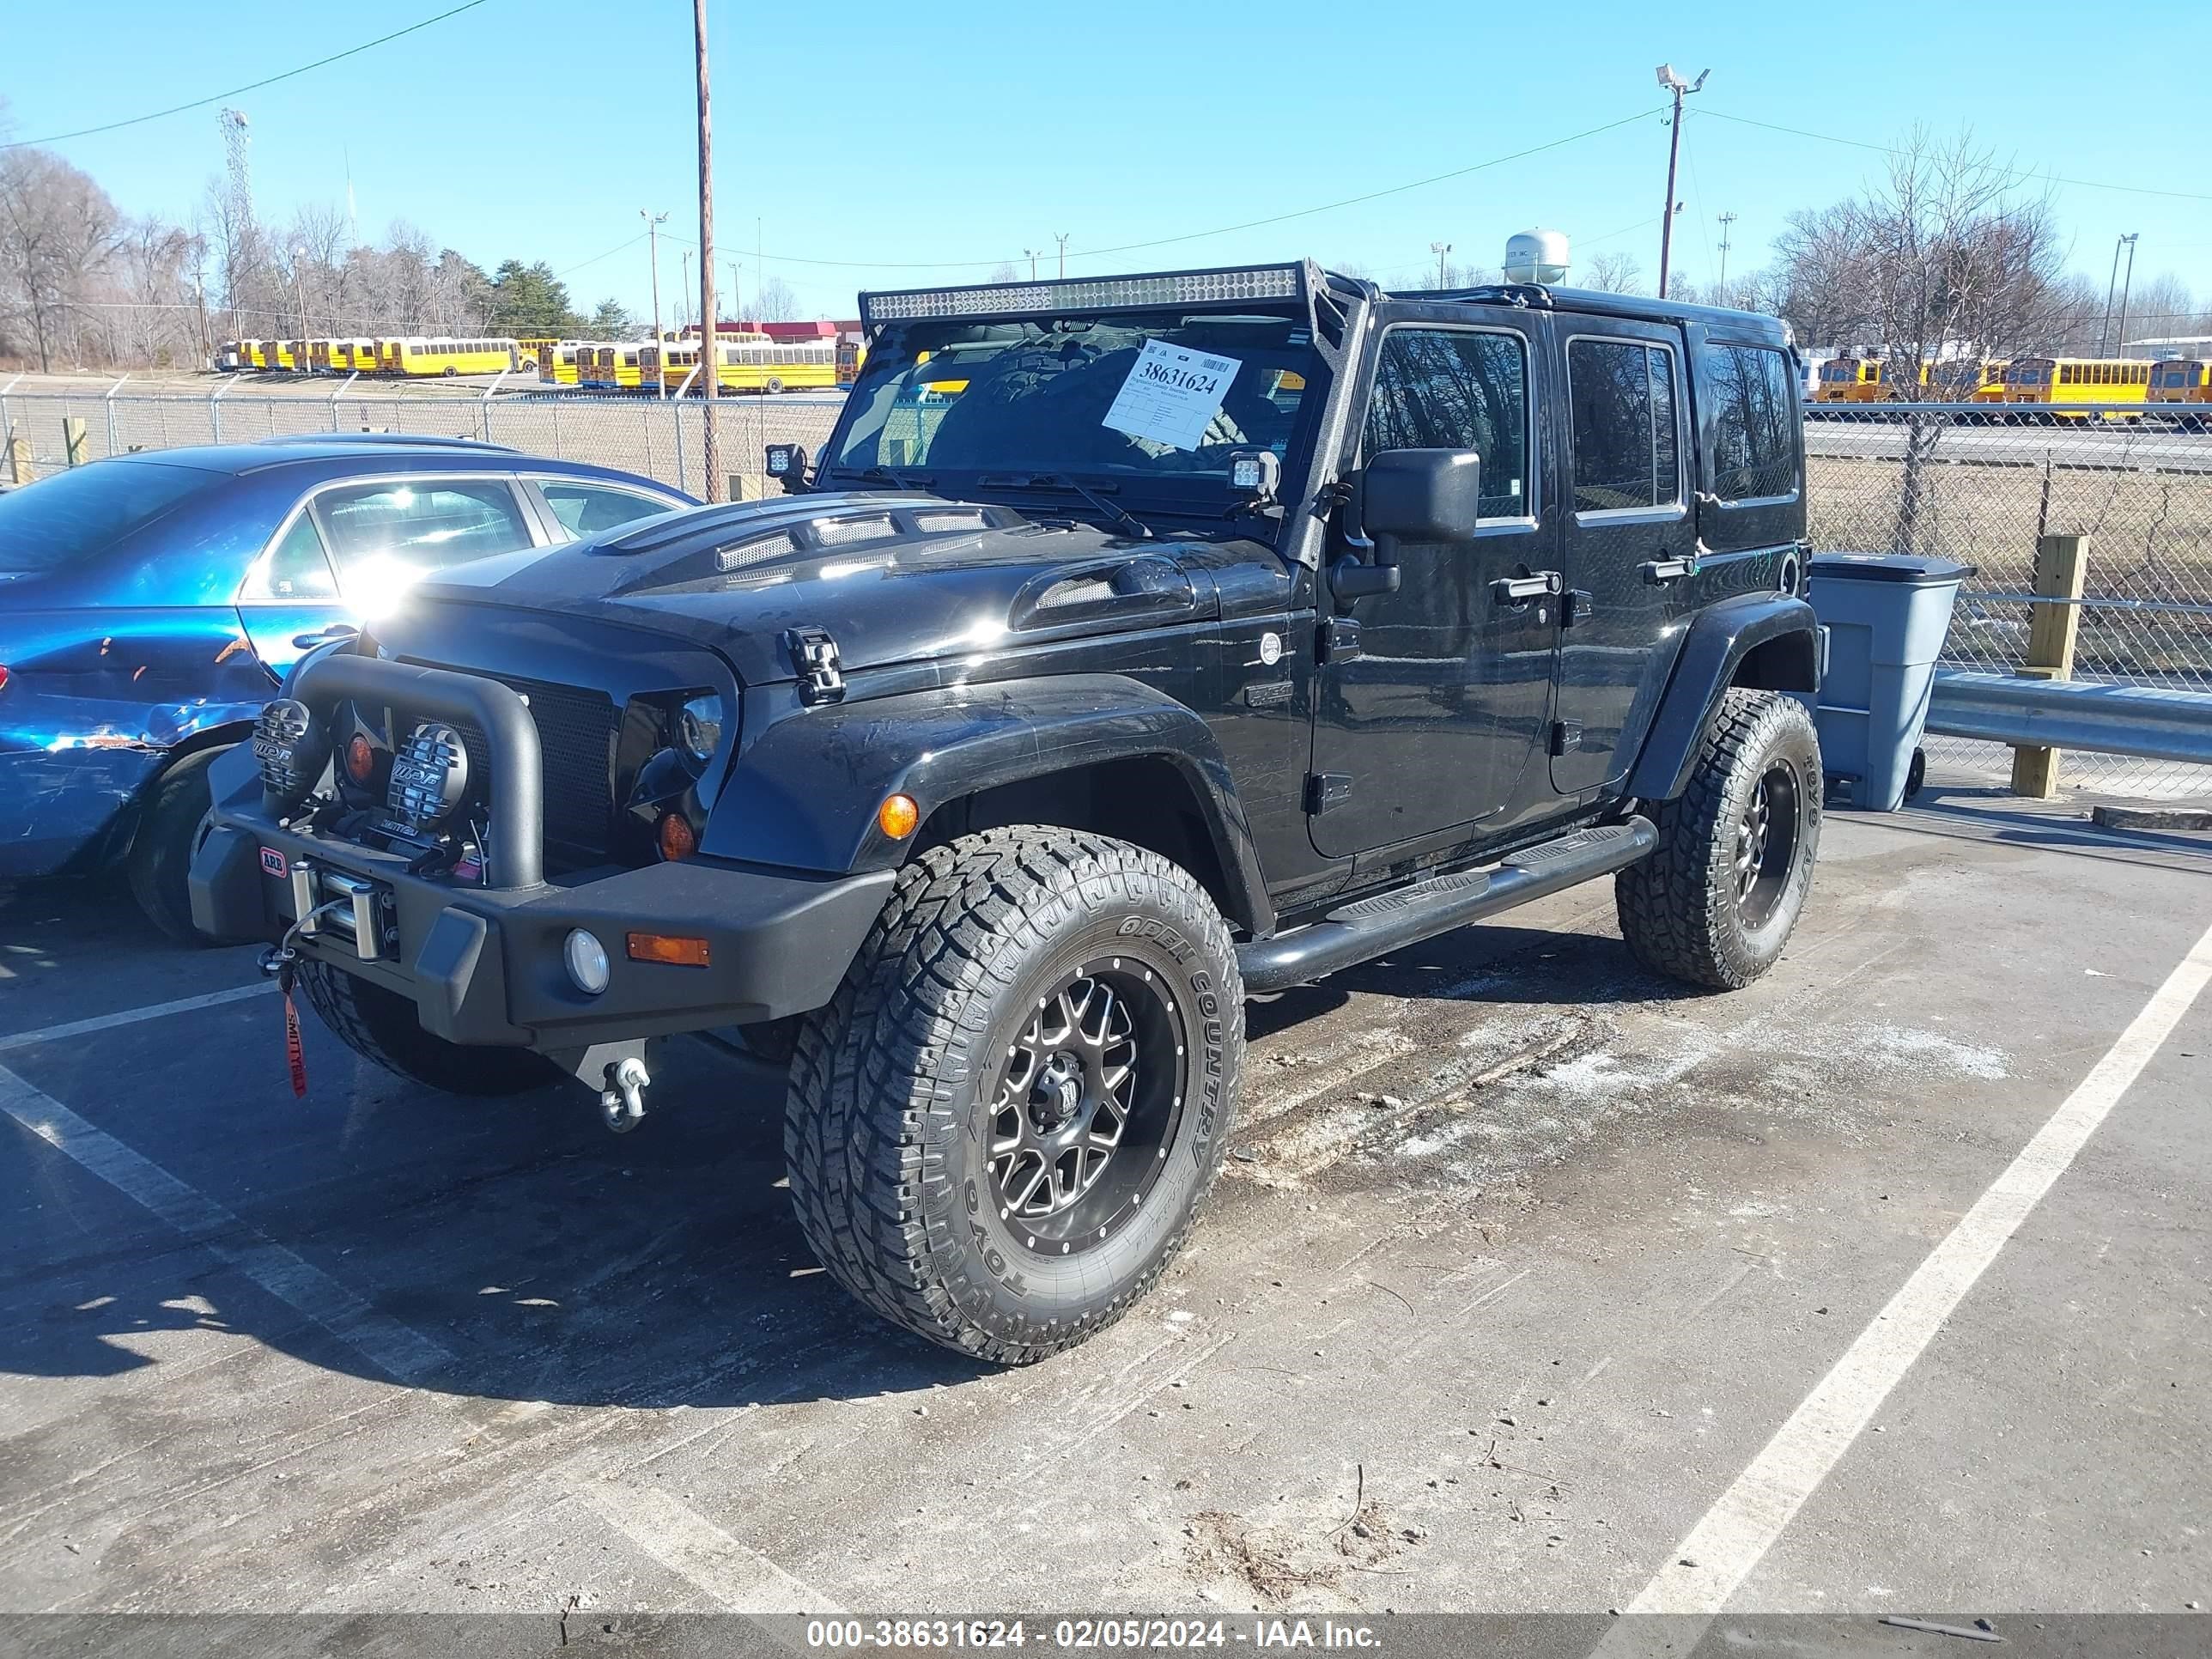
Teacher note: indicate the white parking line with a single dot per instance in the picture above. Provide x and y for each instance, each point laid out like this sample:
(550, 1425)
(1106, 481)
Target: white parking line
(1721, 1551)
(404, 1354)
(697, 1551)
(132, 1015)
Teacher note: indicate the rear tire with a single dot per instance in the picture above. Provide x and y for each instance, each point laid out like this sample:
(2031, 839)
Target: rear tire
(999, 1130)
(1714, 904)
(161, 856)
(381, 1025)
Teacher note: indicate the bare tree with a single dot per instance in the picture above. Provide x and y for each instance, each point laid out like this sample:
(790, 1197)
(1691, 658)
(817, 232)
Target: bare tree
(1004, 271)
(1614, 273)
(776, 301)
(57, 231)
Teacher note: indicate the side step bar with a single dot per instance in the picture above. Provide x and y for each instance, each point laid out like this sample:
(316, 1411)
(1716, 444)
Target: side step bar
(1390, 922)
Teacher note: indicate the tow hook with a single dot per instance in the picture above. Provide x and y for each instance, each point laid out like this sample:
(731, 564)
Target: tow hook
(622, 1103)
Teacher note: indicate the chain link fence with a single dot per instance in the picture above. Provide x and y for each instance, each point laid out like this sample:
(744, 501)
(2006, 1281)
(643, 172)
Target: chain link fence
(1977, 484)
(656, 438)
(1980, 484)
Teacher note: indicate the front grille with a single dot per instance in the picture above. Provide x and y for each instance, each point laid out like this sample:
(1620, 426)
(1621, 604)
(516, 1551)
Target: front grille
(576, 732)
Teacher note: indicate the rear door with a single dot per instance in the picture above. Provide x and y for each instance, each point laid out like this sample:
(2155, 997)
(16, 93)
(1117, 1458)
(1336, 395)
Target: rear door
(573, 509)
(1629, 540)
(1432, 722)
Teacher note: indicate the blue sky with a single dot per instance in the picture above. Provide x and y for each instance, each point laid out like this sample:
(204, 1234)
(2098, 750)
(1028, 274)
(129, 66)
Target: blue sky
(891, 135)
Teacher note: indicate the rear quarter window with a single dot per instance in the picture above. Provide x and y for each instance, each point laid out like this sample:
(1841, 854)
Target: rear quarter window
(55, 522)
(1754, 449)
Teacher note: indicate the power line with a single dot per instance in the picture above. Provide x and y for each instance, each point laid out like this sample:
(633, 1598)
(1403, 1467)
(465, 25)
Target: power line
(252, 86)
(2016, 173)
(1224, 230)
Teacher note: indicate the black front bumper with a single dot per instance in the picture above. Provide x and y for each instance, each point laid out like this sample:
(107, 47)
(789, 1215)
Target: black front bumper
(485, 965)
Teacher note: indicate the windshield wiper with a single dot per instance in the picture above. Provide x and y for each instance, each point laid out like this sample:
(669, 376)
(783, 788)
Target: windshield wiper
(1115, 513)
(903, 480)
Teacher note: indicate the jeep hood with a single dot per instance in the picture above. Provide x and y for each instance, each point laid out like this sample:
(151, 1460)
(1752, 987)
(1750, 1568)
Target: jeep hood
(891, 578)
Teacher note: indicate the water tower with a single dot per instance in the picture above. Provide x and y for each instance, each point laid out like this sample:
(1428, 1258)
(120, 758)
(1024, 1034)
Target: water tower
(1536, 256)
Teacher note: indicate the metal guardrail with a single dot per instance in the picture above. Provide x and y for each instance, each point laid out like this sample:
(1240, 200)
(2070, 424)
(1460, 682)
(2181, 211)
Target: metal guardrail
(2152, 722)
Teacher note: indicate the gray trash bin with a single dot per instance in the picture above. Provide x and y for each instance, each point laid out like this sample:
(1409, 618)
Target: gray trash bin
(1886, 615)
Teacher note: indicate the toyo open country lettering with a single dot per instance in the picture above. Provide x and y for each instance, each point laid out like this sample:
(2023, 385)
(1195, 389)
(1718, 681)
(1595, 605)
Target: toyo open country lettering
(982, 775)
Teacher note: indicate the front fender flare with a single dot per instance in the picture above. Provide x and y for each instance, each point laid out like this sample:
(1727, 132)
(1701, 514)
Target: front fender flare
(1721, 638)
(803, 794)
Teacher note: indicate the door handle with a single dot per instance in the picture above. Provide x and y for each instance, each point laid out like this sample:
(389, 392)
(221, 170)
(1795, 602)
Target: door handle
(1520, 590)
(1658, 571)
(323, 636)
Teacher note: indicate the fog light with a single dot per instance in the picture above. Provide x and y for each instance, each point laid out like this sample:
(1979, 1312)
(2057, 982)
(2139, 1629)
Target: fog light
(587, 961)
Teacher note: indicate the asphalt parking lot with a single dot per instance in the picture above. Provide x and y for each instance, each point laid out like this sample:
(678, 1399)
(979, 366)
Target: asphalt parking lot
(1526, 1274)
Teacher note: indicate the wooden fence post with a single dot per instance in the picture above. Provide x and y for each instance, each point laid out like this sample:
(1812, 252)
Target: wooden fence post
(2062, 564)
(19, 458)
(73, 440)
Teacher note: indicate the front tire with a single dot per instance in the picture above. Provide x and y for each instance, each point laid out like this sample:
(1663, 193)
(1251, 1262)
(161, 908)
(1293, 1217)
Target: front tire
(999, 1130)
(1714, 904)
(381, 1025)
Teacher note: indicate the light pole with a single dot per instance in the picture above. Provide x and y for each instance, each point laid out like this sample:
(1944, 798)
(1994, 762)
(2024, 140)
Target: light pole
(1030, 254)
(1680, 89)
(683, 304)
(710, 445)
(1726, 219)
(2127, 281)
(653, 224)
(1440, 249)
(1061, 237)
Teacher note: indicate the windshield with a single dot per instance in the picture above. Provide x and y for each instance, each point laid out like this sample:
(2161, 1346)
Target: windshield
(1143, 396)
(86, 509)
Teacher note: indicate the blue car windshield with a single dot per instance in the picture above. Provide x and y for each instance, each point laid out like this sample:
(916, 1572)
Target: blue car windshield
(1148, 396)
(60, 519)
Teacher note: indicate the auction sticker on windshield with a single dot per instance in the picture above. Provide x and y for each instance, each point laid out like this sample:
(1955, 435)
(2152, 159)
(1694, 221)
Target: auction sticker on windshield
(1171, 395)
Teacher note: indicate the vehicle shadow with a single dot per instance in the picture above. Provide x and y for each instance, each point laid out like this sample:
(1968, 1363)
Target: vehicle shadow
(501, 1249)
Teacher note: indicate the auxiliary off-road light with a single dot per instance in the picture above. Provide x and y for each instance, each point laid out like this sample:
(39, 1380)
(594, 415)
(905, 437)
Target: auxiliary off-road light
(897, 816)
(1089, 294)
(292, 747)
(673, 949)
(675, 836)
(429, 777)
(585, 959)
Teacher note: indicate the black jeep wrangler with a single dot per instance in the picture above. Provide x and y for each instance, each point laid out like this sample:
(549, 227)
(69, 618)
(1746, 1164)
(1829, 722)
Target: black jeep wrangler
(1136, 645)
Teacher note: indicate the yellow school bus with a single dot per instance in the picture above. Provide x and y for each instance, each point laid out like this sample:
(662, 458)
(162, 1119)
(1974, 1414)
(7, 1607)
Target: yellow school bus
(2180, 380)
(1964, 380)
(1849, 380)
(527, 350)
(319, 356)
(417, 359)
(2056, 382)
(851, 354)
(243, 352)
(615, 366)
(287, 354)
(765, 366)
(556, 360)
(354, 356)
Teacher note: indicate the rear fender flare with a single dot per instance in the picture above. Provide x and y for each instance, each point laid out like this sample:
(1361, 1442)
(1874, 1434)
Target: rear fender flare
(803, 794)
(1722, 638)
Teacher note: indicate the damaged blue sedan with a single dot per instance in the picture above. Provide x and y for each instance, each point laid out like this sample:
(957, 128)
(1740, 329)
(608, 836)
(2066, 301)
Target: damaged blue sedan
(149, 606)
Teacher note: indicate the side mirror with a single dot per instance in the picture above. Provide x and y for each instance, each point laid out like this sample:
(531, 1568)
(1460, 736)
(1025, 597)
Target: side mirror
(786, 465)
(1419, 496)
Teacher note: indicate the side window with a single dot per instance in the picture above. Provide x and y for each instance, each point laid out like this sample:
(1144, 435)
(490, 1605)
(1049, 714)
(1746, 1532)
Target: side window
(1457, 389)
(295, 569)
(419, 526)
(1754, 452)
(1621, 395)
(586, 509)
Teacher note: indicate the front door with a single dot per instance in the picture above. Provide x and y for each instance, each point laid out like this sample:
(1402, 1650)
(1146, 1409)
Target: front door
(1629, 541)
(1431, 721)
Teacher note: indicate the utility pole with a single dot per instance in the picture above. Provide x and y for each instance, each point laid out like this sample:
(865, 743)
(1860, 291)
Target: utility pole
(737, 287)
(1680, 89)
(710, 447)
(1440, 249)
(653, 224)
(2106, 345)
(300, 291)
(1030, 254)
(1061, 237)
(1726, 219)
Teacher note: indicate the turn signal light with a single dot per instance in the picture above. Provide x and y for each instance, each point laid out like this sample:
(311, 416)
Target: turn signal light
(670, 948)
(897, 816)
(676, 836)
(360, 759)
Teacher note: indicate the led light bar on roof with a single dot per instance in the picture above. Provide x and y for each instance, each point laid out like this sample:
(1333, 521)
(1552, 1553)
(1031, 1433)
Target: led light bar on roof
(1088, 294)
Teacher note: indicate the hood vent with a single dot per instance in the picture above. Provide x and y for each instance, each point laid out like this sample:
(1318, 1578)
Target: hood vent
(842, 532)
(744, 555)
